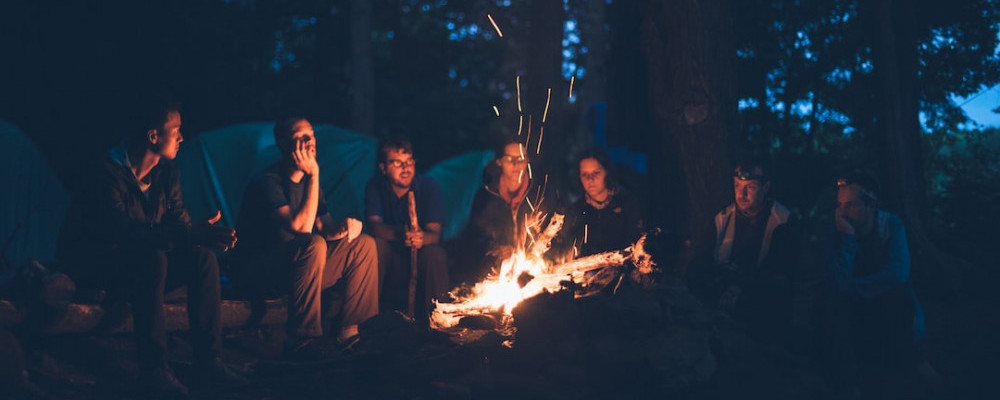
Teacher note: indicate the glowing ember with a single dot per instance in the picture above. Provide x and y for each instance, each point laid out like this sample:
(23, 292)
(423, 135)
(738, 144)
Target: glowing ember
(496, 110)
(494, 25)
(517, 81)
(571, 80)
(520, 122)
(541, 132)
(548, 96)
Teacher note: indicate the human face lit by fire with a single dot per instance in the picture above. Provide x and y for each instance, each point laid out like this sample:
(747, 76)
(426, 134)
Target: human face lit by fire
(399, 167)
(853, 207)
(301, 132)
(750, 193)
(592, 177)
(513, 162)
(166, 139)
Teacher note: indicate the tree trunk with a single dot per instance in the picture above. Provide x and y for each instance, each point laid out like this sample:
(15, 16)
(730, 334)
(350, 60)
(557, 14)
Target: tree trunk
(691, 57)
(362, 69)
(901, 140)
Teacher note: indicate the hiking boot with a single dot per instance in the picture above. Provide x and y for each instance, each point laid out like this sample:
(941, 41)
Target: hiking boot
(163, 381)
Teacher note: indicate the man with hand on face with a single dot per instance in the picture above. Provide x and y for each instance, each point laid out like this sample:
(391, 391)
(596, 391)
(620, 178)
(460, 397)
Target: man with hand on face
(127, 231)
(290, 243)
(874, 316)
(387, 212)
(750, 272)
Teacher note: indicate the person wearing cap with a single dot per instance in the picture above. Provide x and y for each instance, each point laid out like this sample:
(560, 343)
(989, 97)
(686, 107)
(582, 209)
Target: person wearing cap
(872, 313)
(748, 273)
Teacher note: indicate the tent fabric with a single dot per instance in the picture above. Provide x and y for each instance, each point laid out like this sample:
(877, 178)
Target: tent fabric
(33, 203)
(217, 165)
(459, 177)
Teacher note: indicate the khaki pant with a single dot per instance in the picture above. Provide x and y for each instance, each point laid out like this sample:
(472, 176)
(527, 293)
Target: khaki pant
(303, 267)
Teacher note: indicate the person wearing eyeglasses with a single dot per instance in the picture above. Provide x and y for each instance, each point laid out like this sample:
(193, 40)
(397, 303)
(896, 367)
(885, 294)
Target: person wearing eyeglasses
(292, 245)
(387, 213)
(496, 224)
(749, 272)
(873, 315)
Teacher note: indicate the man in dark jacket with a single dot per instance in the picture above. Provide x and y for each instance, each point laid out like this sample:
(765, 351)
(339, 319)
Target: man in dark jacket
(128, 232)
(749, 271)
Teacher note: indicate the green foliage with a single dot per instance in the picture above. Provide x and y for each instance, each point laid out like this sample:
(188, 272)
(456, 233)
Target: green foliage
(964, 177)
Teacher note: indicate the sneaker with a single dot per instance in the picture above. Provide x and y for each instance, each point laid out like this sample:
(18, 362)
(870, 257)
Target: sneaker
(162, 380)
(217, 372)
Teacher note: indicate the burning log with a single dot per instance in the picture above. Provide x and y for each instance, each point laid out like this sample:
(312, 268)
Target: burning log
(525, 275)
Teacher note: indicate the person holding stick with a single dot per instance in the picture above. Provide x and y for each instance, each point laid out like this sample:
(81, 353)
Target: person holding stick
(394, 201)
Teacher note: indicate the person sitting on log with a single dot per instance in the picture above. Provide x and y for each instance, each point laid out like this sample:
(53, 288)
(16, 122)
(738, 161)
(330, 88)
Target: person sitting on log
(607, 218)
(871, 317)
(387, 209)
(127, 231)
(497, 221)
(291, 244)
(749, 271)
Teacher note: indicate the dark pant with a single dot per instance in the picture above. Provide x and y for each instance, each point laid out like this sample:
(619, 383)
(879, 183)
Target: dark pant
(863, 341)
(394, 274)
(142, 276)
(306, 265)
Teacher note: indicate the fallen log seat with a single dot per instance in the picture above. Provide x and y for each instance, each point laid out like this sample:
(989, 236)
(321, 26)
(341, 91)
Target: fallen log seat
(89, 318)
(11, 313)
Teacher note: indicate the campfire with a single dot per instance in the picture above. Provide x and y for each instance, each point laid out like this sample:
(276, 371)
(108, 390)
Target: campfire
(525, 274)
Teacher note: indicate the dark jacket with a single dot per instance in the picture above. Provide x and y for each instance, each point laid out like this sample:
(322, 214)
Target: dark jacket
(614, 227)
(109, 213)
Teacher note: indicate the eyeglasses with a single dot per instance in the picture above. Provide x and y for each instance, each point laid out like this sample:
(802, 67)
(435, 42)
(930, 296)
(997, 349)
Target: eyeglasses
(513, 159)
(844, 182)
(401, 164)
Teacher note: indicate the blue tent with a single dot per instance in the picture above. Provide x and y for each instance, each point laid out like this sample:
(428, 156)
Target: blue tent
(33, 203)
(216, 166)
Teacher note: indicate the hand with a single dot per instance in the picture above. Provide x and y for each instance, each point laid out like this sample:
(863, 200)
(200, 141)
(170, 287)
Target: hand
(729, 298)
(304, 157)
(414, 239)
(353, 229)
(209, 234)
(842, 224)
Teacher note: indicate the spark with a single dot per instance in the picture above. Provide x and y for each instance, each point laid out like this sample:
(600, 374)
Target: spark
(571, 80)
(532, 209)
(517, 80)
(529, 171)
(496, 110)
(520, 122)
(494, 25)
(519, 177)
(541, 132)
(576, 253)
(585, 233)
(548, 96)
(520, 149)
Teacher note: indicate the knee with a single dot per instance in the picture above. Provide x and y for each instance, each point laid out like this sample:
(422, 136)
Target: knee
(311, 245)
(435, 254)
(207, 259)
(365, 244)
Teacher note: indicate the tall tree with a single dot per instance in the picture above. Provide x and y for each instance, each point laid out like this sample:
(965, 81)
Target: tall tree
(362, 67)
(690, 55)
